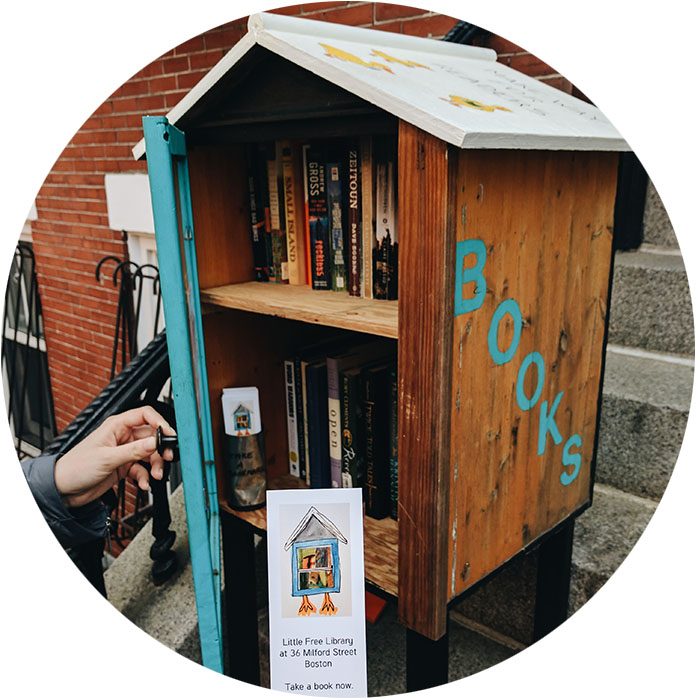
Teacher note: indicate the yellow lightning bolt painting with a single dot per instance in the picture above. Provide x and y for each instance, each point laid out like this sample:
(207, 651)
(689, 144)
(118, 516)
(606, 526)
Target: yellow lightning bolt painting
(334, 52)
(459, 101)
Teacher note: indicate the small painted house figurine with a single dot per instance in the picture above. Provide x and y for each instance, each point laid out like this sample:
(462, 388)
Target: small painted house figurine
(315, 561)
(241, 416)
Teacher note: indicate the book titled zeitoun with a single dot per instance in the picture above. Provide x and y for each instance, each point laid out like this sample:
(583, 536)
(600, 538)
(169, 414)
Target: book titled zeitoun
(316, 592)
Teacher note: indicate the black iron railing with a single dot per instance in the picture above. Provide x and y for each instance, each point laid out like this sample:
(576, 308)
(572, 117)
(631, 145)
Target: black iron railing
(24, 361)
(133, 281)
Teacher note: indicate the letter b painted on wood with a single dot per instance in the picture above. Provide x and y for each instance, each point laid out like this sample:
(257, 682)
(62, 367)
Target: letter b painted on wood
(473, 275)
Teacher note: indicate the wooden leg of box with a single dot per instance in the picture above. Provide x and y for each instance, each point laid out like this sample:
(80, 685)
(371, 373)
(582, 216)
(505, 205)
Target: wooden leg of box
(553, 579)
(240, 604)
(426, 661)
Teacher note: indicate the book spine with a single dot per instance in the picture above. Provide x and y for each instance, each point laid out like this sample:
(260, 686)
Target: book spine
(354, 223)
(334, 436)
(335, 215)
(277, 232)
(367, 208)
(305, 420)
(376, 482)
(318, 221)
(317, 394)
(299, 400)
(307, 232)
(264, 208)
(392, 252)
(350, 420)
(296, 257)
(257, 218)
(292, 418)
(394, 443)
(382, 234)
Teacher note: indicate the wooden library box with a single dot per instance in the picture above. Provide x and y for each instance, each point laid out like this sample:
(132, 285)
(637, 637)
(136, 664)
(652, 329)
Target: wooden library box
(504, 211)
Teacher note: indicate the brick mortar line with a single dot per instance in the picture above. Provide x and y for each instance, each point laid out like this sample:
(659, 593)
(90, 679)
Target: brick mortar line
(54, 198)
(45, 208)
(305, 13)
(379, 22)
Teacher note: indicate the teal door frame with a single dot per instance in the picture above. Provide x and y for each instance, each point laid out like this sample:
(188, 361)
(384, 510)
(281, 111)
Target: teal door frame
(168, 175)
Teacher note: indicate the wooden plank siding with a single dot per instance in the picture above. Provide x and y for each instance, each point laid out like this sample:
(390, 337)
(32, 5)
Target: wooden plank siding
(426, 235)
(546, 221)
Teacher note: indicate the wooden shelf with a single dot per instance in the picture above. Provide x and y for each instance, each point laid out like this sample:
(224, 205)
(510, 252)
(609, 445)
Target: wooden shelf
(381, 539)
(300, 303)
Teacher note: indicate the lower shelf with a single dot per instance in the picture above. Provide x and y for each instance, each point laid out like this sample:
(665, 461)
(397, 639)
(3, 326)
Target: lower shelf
(381, 538)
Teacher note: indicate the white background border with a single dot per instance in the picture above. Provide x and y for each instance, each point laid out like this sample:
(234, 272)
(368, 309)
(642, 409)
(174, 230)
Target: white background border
(638, 62)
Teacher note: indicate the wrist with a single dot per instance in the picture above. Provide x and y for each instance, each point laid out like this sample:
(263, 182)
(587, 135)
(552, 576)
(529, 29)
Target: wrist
(59, 481)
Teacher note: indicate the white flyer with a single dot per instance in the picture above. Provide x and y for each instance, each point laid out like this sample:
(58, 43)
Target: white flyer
(315, 557)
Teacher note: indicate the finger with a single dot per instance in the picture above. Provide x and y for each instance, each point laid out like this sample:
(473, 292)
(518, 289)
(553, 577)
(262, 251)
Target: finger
(137, 417)
(139, 474)
(115, 456)
(156, 466)
(141, 432)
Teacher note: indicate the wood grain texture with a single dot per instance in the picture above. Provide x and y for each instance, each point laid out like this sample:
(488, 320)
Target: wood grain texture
(546, 221)
(381, 538)
(218, 181)
(301, 303)
(245, 349)
(426, 242)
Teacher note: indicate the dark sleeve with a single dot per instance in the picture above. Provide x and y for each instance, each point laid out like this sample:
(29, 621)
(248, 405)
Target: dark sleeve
(71, 526)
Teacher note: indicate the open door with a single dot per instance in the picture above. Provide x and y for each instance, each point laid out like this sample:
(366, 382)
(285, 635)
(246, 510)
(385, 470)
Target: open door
(168, 176)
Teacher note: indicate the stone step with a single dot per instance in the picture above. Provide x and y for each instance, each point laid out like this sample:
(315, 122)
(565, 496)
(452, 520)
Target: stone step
(604, 536)
(657, 226)
(645, 411)
(650, 306)
(166, 612)
(469, 652)
(503, 608)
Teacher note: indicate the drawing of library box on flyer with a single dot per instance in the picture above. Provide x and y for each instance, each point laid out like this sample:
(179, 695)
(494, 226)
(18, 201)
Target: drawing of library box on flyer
(315, 562)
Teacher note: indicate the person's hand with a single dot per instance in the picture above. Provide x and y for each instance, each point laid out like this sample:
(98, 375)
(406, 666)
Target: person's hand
(110, 453)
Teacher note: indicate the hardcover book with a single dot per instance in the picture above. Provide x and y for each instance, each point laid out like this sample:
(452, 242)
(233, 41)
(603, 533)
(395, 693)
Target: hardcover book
(367, 192)
(292, 417)
(363, 354)
(334, 189)
(353, 451)
(306, 476)
(257, 217)
(318, 219)
(385, 253)
(354, 222)
(299, 399)
(307, 233)
(293, 213)
(317, 405)
(277, 223)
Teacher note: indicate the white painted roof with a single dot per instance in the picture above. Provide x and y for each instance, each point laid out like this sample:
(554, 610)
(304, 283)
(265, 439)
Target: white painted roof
(458, 93)
(323, 521)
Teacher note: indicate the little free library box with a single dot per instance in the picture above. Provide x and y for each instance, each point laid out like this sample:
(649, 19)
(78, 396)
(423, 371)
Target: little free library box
(503, 199)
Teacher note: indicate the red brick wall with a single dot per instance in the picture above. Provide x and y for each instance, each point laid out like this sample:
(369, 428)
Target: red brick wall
(71, 234)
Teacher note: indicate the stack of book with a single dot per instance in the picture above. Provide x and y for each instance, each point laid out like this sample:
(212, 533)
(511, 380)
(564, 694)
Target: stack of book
(324, 215)
(342, 420)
